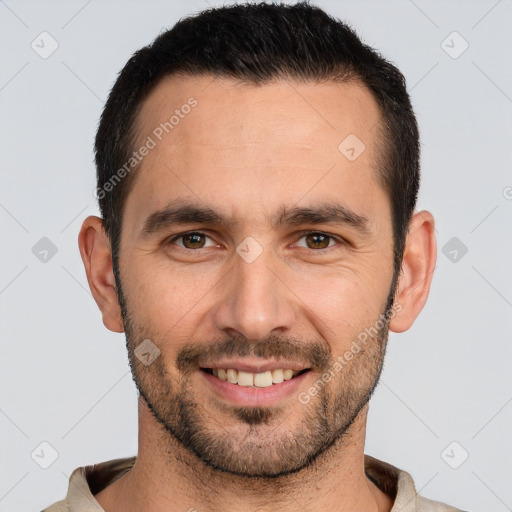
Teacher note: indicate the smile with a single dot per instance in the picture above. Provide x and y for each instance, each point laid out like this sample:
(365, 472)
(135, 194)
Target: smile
(254, 380)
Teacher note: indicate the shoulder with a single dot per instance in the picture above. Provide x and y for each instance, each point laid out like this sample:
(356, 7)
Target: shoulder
(399, 485)
(426, 505)
(86, 481)
(59, 506)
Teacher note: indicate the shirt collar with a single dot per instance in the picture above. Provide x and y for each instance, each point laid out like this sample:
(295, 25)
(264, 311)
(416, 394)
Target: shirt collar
(86, 481)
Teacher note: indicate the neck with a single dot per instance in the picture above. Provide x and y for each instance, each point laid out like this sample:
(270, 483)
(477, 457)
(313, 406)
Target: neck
(166, 477)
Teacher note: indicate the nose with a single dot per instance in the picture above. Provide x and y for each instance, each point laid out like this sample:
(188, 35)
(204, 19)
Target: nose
(256, 301)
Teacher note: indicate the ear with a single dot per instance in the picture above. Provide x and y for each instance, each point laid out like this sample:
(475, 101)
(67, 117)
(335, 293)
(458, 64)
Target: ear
(418, 265)
(97, 257)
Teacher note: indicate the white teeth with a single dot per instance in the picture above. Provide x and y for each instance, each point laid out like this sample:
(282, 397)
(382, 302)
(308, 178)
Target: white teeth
(263, 380)
(277, 376)
(259, 380)
(287, 374)
(245, 378)
(232, 376)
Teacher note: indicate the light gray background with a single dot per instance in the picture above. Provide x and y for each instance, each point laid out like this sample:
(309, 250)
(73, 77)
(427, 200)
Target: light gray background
(65, 379)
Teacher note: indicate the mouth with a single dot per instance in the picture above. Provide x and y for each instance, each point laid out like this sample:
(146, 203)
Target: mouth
(254, 380)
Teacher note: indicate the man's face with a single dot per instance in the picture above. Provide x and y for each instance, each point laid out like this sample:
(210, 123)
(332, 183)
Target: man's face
(257, 294)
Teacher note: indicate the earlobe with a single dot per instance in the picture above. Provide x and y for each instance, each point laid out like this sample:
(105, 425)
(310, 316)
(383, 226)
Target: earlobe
(97, 258)
(418, 266)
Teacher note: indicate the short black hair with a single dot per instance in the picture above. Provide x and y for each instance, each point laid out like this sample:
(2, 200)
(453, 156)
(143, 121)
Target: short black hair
(257, 44)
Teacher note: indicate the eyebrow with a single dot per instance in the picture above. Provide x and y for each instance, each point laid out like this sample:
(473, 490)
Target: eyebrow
(180, 212)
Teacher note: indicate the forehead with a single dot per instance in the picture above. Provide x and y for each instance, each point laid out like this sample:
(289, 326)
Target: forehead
(238, 110)
(243, 147)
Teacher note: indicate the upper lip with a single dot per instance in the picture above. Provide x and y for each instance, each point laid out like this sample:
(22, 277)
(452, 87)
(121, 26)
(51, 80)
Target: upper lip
(255, 365)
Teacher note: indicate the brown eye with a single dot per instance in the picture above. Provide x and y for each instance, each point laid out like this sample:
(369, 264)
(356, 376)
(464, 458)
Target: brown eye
(194, 239)
(191, 240)
(318, 240)
(320, 243)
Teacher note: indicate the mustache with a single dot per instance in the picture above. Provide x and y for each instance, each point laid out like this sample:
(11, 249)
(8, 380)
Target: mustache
(315, 353)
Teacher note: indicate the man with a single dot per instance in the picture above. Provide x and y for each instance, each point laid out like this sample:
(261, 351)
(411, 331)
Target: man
(258, 169)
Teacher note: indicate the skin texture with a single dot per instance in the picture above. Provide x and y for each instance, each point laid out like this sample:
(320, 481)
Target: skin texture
(247, 151)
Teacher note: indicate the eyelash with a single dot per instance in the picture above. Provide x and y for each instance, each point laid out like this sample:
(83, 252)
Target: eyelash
(302, 234)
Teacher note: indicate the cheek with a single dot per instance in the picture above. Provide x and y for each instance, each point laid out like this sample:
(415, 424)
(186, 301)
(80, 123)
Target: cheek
(163, 297)
(339, 305)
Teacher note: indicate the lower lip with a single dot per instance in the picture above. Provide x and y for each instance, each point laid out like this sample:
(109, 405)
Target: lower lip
(255, 397)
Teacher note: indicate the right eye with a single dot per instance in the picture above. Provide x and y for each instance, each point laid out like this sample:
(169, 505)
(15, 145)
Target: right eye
(191, 240)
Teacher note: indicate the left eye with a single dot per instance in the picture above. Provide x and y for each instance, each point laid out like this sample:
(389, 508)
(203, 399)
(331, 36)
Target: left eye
(196, 240)
(317, 238)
